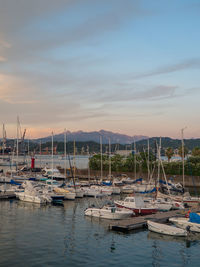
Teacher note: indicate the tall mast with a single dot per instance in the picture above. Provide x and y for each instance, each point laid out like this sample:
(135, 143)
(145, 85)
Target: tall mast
(65, 153)
(17, 140)
(52, 154)
(74, 160)
(3, 138)
(183, 154)
(28, 147)
(88, 163)
(135, 159)
(101, 158)
(148, 160)
(40, 154)
(158, 154)
(109, 159)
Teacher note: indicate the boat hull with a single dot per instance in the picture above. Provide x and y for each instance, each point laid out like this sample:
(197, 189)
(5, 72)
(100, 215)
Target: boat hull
(184, 223)
(107, 214)
(139, 211)
(165, 229)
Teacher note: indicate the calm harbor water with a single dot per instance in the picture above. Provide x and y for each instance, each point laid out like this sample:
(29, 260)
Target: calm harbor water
(33, 235)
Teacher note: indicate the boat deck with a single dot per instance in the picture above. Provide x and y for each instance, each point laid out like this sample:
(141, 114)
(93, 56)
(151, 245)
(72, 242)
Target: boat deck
(140, 222)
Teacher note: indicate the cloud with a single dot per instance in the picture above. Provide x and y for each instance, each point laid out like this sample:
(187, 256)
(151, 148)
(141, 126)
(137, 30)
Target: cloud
(193, 63)
(132, 94)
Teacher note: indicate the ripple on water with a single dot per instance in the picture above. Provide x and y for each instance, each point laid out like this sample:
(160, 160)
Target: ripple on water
(35, 235)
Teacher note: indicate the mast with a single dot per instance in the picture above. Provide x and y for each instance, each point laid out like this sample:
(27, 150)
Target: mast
(88, 163)
(52, 154)
(183, 154)
(28, 147)
(17, 141)
(65, 154)
(158, 153)
(74, 160)
(4, 139)
(40, 153)
(135, 159)
(109, 159)
(101, 158)
(148, 160)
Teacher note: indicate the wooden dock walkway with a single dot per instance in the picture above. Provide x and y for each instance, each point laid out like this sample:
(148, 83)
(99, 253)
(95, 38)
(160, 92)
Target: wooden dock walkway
(140, 222)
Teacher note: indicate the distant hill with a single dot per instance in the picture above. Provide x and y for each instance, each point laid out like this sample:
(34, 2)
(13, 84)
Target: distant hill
(81, 136)
(168, 142)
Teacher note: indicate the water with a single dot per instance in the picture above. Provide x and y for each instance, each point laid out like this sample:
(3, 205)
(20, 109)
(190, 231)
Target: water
(80, 161)
(33, 235)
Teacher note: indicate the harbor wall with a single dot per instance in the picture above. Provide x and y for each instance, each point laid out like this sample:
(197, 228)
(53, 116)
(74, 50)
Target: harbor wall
(190, 181)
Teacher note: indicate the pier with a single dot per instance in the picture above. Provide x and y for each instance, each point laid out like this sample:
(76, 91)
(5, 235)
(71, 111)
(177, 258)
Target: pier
(140, 222)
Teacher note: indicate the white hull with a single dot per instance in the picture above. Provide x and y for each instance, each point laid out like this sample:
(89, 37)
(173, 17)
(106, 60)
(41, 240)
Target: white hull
(69, 195)
(165, 229)
(28, 198)
(89, 192)
(127, 190)
(79, 193)
(112, 214)
(163, 206)
(142, 188)
(116, 190)
(184, 223)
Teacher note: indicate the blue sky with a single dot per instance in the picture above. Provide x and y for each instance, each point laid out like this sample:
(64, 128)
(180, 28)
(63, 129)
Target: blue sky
(121, 65)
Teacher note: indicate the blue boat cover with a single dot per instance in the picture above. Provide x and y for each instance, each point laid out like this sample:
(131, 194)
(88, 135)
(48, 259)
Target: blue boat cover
(148, 192)
(137, 180)
(107, 183)
(13, 182)
(163, 182)
(194, 217)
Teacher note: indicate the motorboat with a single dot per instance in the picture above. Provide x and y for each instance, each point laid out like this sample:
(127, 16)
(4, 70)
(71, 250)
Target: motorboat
(165, 229)
(137, 204)
(187, 223)
(116, 190)
(65, 192)
(185, 199)
(127, 189)
(7, 191)
(138, 188)
(109, 212)
(30, 194)
(92, 192)
(160, 204)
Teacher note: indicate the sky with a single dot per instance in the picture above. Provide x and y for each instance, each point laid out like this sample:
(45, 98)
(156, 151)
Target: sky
(126, 66)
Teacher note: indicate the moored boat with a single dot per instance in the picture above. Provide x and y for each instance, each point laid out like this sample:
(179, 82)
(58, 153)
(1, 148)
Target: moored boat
(109, 212)
(191, 224)
(137, 204)
(165, 229)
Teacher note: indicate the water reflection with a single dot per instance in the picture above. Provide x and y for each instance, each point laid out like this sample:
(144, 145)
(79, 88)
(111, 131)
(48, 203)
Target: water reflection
(49, 235)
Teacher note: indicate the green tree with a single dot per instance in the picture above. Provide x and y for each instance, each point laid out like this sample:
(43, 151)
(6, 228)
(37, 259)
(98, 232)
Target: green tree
(169, 152)
(185, 149)
(196, 152)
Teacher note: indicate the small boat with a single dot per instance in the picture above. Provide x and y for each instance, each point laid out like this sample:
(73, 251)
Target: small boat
(165, 229)
(109, 212)
(160, 204)
(127, 189)
(137, 204)
(187, 223)
(66, 193)
(92, 192)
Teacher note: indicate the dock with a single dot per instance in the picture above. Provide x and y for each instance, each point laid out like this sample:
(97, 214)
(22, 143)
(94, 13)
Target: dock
(140, 222)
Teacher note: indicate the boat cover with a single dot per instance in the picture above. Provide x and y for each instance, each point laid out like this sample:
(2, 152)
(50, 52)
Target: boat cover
(148, 192)
(194, 217)
(137, 180)
(13, 182)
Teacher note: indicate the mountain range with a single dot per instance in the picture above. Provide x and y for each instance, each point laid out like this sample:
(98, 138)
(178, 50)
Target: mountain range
(81, 136)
